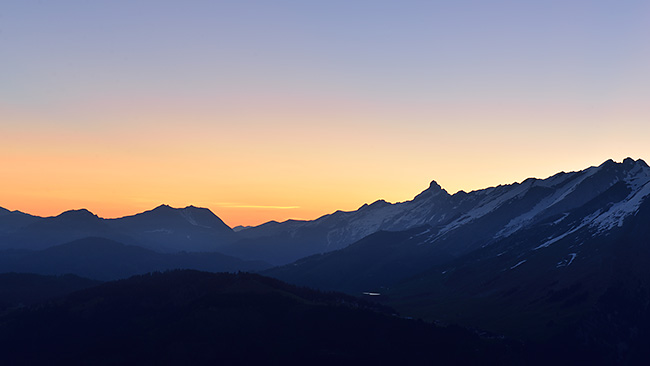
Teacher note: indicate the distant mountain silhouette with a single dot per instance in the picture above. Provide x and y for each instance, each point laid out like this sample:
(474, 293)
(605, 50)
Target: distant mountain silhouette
(104, 259)
(163, 229)
(46, 232)
(189, 317)
(10, 221)
(170, 229)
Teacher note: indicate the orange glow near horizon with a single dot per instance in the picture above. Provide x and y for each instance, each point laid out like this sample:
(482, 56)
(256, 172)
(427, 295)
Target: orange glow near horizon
(276, 168)
(297, 173)
(264, 111)
(267, 112)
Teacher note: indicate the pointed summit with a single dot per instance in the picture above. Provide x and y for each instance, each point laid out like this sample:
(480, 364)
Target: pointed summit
(433, 190)
(163, 207)
(434, 186)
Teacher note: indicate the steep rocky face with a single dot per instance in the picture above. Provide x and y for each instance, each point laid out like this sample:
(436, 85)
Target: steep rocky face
(561, 262)
(509, 223)
(462, 220)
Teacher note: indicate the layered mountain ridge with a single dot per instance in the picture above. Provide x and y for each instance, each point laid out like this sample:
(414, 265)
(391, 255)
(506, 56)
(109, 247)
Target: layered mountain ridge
(163, 229)
(489, 214)
(560, 262)
(495, 212)
(584, 205)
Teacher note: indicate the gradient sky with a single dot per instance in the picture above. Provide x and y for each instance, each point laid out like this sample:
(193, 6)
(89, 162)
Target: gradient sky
(264, 110)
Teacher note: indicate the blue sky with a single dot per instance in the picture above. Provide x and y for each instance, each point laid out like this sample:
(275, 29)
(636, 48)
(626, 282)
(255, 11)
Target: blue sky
(273, 97)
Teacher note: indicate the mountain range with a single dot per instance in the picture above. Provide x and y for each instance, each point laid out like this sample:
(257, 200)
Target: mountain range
(558, 263)
(533, 216)
(163, 229)
(561, 262)
(598, 198)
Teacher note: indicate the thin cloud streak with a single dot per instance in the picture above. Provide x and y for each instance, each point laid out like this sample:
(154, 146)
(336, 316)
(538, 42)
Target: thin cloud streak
(258, 206)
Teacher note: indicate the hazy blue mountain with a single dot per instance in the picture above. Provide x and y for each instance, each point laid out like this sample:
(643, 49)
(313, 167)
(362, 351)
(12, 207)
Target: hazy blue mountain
(239, 228)
(67, 226)
(163, 229)
(13, 220)
(168, 229)
(104, 259)
(189, 317)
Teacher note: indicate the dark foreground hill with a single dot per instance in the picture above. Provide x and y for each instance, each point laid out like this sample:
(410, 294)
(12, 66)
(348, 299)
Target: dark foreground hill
(190, 317)
(22, 289)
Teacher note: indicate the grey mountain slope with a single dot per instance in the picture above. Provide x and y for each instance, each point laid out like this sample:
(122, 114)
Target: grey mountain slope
(590, 285)
(574, 273)
(531, 216)
(495, 212)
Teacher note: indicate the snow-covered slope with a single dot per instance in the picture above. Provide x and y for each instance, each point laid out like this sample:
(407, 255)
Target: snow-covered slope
(464, 220)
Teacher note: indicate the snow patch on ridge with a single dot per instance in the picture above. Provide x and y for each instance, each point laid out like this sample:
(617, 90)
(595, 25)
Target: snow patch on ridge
(489, 204)
(616, 215)
(560, 194)
(518, 264)
(564, 215)
(586, 221)
(567, 262)
(587, 173)
(638, 179)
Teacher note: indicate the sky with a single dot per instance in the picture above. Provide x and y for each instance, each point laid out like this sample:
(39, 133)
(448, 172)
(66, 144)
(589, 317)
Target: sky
(270, 110)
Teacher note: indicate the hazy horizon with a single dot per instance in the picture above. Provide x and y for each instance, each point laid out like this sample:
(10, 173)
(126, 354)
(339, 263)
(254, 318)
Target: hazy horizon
(294, 218)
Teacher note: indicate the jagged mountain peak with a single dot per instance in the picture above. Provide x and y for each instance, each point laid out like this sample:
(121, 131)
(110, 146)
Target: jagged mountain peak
(163, 207)
(376, 204)
(434, 190)
(627, 163)
(434, 186)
